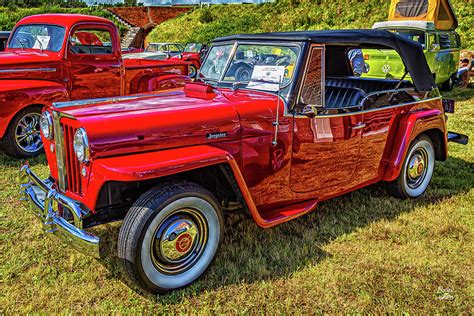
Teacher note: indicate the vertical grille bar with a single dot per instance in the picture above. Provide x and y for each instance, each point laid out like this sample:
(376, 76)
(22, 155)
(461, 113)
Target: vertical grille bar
(71, 163)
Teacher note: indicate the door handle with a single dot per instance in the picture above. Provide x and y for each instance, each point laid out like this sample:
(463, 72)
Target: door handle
(360, 125)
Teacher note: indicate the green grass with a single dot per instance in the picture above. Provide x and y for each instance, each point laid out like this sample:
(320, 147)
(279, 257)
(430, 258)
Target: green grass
(362, 252)
(206, 24)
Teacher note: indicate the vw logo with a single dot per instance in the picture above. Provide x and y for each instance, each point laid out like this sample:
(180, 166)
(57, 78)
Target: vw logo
(386, 69)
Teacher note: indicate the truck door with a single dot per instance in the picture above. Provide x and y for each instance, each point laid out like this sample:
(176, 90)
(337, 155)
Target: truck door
(325, 149)
(95, 64)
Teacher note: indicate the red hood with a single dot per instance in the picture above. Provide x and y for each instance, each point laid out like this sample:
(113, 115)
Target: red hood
(168, 120)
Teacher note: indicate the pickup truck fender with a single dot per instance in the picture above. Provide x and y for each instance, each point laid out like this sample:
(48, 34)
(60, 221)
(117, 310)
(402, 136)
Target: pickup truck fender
(159, 164)
(411, 125)
(18, 94)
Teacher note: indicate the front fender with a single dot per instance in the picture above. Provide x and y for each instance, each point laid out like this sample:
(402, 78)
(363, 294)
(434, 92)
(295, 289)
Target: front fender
(163, 163)
(410, 126)
(18, 94)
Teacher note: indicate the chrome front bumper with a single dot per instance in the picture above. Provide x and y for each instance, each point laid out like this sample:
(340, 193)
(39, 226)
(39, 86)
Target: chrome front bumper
(44, 202)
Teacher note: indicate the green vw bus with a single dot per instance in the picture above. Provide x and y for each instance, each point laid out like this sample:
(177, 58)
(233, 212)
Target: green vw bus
(442, 51)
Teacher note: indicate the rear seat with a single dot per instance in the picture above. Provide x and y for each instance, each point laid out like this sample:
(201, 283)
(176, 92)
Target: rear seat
(339, 98)
(368, 85)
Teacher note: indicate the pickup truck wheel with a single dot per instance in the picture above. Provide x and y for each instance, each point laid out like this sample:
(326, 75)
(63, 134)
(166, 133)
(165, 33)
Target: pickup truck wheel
(170, 236)
(417, 170)
(192, 71)
(22, 138)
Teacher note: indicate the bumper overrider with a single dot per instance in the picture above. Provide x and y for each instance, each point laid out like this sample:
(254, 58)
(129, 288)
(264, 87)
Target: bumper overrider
(45, 202)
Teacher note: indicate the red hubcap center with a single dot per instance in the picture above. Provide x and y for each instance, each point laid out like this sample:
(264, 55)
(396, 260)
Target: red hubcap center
(184, 242)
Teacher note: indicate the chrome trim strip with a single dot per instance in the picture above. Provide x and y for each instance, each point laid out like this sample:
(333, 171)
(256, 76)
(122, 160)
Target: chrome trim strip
(28, 70)
(42, 198)
(299, 115)
(60, 105)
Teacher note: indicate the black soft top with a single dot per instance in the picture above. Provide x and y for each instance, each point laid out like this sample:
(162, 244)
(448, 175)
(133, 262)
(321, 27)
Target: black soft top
(411, 52)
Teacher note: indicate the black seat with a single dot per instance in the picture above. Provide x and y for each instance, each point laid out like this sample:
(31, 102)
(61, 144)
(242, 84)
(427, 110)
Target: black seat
(340, 98)
(368, 85)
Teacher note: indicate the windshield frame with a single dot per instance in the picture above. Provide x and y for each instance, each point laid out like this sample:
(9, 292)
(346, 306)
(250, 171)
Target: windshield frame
(17, 28)
(236, 43)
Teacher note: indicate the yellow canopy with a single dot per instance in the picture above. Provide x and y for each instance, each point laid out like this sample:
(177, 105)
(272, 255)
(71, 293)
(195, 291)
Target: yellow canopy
(438, 11)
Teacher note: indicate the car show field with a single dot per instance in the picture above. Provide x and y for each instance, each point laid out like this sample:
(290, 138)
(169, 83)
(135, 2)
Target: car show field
(362, 252)
(289, 157)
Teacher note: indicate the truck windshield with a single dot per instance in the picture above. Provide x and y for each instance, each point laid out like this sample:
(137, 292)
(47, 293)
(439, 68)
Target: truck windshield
(38, 36)
(250, 62)
(414, 35)
(193, 47)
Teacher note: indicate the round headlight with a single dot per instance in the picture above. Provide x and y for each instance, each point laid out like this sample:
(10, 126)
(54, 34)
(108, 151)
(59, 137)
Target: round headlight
(81, 145)
(46, 125)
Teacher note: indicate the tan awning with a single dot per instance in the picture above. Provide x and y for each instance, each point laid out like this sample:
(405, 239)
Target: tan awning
(440, 12)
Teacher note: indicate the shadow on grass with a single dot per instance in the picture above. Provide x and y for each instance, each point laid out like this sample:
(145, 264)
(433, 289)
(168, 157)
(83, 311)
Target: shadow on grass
(250, 254)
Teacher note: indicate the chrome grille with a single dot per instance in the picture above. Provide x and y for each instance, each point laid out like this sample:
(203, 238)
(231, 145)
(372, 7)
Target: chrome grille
(67, 163)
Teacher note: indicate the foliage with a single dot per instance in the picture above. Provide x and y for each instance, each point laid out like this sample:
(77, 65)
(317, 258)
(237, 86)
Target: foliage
(287, 15)
(361, 253)
(9, 16)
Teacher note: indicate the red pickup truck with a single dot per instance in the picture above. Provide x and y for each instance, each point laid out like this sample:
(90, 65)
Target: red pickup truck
(58, 57)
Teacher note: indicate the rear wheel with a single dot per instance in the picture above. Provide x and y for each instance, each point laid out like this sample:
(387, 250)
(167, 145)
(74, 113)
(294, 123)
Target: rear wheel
(448, 85)
(417, 170)
(170, 236)
(23, 139)
(192, 72)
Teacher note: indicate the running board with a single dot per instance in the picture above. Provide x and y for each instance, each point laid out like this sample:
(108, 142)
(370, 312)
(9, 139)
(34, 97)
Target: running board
(458, 138)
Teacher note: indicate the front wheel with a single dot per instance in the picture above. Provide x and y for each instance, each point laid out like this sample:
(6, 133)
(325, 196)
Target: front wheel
(417, 170)
(170, 236)
(22, 138)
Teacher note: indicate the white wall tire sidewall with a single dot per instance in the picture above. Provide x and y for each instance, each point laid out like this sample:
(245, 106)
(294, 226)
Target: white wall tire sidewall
(416, 192)
(170, 282)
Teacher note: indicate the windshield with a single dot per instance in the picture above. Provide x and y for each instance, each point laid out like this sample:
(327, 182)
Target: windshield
(249, 63)
(414, 35)
(38, 36)
(155, 48)
(193, 47)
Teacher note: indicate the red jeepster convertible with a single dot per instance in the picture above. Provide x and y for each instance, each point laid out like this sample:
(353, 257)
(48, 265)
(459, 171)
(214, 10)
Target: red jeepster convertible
(298, 130)
(57, 57)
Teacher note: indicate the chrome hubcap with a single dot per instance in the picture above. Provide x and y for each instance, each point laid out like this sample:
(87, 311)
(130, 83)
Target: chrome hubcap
(179, 241)
(192, 71)
(417, 167)
(27, 133)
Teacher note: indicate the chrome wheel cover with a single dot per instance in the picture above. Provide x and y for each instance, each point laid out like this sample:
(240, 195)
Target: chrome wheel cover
(179, 241)
(417, 168)
(27, 133)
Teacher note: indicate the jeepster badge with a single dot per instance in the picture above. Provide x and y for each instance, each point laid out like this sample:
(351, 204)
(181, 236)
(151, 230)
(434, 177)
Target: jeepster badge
(216, 135)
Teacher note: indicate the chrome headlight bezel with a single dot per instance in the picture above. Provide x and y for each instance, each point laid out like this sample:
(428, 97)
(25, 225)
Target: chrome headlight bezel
(81, 145)
(46, 125)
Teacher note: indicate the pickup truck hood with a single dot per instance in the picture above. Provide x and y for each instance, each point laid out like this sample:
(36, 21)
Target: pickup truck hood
(29, 64)
(167, 120)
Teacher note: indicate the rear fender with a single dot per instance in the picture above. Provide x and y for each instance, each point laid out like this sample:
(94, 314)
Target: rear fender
(410, 126)
(164, 163)
(16, 95)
